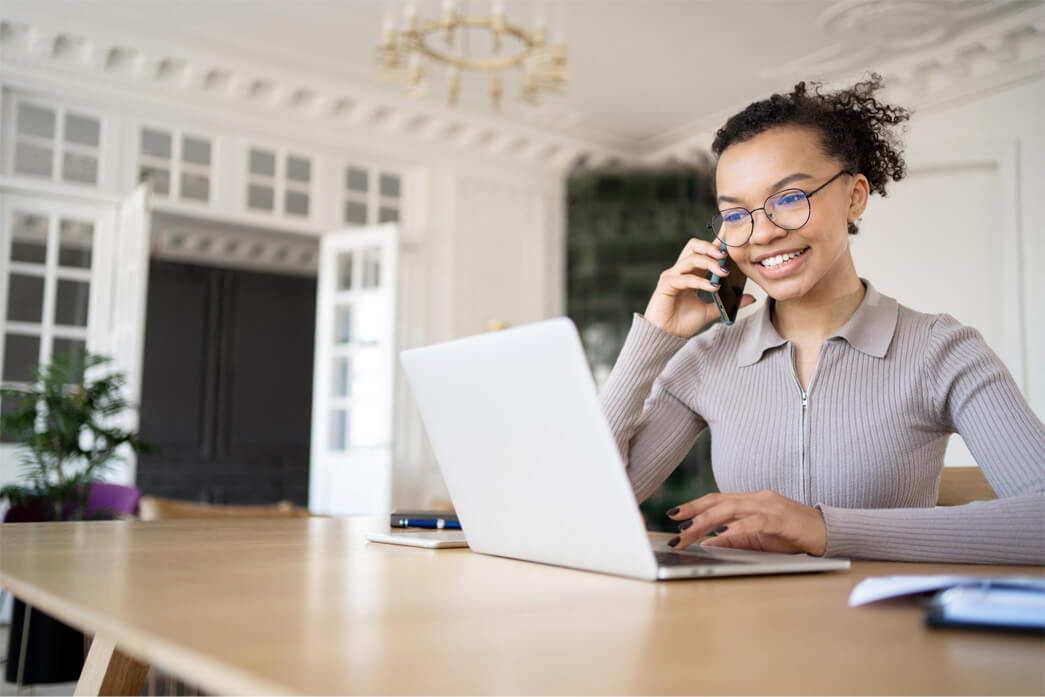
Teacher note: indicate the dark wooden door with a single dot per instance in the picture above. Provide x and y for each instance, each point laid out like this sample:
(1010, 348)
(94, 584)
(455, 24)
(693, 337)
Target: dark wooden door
(227, 384)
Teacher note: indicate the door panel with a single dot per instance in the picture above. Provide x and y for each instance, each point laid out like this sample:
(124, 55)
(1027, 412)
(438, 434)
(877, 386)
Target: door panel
(353, 395)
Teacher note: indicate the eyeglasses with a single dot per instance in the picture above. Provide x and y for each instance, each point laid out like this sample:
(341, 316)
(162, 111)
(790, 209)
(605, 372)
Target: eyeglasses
(787, 209)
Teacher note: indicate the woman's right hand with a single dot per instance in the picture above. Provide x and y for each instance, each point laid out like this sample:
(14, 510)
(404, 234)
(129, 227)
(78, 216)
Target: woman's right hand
(675, 306)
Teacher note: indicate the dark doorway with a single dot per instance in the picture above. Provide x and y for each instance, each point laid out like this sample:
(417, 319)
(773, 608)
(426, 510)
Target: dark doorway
(227, 384)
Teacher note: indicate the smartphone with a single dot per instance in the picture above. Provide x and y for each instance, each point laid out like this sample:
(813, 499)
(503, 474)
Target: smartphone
(731, 292)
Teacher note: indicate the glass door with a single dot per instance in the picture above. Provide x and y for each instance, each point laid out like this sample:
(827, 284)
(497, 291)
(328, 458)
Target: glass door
(353, 404)
(64, 288)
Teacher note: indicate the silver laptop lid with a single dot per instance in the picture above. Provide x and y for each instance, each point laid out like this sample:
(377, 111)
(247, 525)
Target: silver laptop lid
(529, 460)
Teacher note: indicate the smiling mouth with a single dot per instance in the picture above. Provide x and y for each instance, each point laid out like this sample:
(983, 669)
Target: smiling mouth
(781, 259)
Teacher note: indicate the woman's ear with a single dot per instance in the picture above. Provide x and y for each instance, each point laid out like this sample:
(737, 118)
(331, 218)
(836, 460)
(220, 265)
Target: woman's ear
(858, 197)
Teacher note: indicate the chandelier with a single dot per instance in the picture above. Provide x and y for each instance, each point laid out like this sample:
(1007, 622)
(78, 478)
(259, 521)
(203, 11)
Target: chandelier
(406, 52)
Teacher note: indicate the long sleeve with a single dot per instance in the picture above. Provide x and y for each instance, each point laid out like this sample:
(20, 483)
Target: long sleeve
(653, 428)
(970, 392)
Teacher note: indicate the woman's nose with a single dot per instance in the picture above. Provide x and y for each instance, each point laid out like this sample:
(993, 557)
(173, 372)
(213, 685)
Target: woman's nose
(765, 230)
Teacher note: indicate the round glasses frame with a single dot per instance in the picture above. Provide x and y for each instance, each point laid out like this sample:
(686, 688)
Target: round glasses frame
(716, 222)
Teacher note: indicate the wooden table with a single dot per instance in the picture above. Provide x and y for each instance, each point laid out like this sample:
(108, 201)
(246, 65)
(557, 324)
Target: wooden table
(308, 606)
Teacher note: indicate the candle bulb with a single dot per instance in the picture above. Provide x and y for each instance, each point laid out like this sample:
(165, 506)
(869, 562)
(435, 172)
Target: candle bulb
(454, 85)
(410, 18)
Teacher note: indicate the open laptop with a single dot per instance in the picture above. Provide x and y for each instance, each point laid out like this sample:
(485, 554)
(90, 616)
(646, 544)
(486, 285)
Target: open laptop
(531, 465)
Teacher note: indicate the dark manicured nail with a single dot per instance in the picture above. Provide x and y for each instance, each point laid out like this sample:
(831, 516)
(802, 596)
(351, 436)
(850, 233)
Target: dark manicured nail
(721, 529)
(714, 285)
(673, 511)
(686, 526)
(723, 271)
(674, 541)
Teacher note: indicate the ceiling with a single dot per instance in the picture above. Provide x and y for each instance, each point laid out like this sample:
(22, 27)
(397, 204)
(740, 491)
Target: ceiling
(639, 70)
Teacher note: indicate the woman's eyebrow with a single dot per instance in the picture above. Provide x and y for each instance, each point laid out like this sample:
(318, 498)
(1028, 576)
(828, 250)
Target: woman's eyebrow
(776, 187)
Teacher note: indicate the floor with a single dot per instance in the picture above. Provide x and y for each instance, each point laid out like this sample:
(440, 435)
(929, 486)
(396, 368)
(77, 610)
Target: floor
(158, 683)
(6, 688)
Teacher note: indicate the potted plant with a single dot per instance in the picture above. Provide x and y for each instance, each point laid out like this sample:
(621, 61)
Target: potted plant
(64, 421)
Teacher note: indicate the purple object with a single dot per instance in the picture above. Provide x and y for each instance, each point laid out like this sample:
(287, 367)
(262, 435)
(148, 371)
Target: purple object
(103, 500)
(113, 499)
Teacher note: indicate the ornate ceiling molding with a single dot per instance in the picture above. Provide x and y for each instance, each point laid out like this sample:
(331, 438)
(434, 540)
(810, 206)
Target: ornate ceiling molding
(207, 242)
(294, 98)
(929, 54)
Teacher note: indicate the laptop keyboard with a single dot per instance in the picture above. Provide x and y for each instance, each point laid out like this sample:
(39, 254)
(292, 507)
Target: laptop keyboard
(684, 559)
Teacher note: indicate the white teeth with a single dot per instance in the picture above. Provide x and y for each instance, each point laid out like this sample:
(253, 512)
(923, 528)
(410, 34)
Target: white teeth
(773, 262)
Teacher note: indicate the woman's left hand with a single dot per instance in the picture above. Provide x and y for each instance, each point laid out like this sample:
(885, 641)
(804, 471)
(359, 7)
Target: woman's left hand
(762, 520)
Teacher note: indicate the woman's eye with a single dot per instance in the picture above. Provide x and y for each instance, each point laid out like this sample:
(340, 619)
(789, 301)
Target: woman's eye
(734, 217)
(790, 199)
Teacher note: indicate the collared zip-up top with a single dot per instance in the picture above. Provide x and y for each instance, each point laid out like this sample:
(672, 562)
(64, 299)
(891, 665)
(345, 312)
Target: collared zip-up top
(864, 443)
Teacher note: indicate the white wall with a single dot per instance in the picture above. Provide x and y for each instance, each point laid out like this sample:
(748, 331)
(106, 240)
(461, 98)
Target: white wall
(963, 233)
(489, 244)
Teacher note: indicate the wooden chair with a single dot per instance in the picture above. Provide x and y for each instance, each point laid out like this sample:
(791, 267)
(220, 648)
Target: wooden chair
(960, 485)
(157, 508)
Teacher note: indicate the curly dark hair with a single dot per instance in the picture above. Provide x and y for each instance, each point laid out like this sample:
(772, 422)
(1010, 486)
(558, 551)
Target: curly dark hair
(852, 125)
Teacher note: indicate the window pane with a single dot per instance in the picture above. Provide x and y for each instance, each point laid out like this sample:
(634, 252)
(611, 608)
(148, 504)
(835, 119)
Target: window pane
(79, 168)
(343, 324)
(296, 203)
(355, 212)
(372, 267)
(342, 376)
(74, 243)
(71, 299)
(70, 349)
(339, 425)
(260, 197)
(28, 238)
(390, 185)
(32, 160)
(356, 179)
(195, 187)
(161, 180)
(156, 143)
(195, 150)
(387, 215)
(263, 162)
(25, 298)
(9, 405)
(299, 169)
(21, 356)
(369, 324)
(83, 130)
(344, 271)
(35, 121)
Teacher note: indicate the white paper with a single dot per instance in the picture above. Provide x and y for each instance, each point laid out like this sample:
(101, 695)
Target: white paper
(878, 588)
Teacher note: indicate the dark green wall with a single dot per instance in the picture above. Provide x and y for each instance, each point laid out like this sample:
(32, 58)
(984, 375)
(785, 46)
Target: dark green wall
(623, 230)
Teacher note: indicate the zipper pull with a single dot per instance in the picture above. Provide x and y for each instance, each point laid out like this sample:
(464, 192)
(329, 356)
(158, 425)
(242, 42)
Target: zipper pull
(805, 400)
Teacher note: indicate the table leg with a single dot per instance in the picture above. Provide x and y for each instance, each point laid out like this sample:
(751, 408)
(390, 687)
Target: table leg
(109, 671)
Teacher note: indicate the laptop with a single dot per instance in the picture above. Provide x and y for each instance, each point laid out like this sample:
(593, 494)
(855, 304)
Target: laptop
(531, 465)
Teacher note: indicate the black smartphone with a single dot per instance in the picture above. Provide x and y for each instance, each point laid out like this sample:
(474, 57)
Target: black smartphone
(731, 292)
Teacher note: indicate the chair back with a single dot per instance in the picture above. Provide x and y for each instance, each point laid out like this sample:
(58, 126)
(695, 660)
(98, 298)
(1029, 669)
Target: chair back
(158, 508)
(961, 485)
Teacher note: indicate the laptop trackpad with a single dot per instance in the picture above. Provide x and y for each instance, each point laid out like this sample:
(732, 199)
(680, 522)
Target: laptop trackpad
(692, 559)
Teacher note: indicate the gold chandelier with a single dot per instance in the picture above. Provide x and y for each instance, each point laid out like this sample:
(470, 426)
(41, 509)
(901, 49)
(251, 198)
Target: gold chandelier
(542, 64)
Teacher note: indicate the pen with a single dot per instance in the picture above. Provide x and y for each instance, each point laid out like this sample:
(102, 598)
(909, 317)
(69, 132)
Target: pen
(438, 524)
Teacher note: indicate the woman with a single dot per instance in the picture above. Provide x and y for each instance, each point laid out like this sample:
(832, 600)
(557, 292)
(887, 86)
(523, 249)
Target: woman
(831, 406)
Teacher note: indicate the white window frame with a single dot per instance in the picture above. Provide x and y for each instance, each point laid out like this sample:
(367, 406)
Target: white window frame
(280, 182)
(13, 100)
(373, 199)
(176, 166)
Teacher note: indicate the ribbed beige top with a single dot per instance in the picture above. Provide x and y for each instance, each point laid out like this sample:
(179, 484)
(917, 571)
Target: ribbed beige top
(864, 444)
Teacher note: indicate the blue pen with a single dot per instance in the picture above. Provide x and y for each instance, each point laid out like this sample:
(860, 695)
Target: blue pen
(438, 524)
